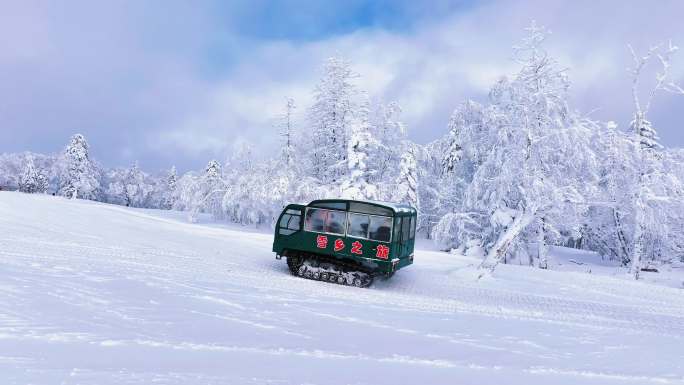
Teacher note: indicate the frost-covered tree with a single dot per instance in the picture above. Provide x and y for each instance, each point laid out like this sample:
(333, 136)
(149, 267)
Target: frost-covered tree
(607, 223)
(516, 162)
(357, 182)
(541, 151)
(170, 191)
(407, 185)
(647, 137)
(79, 176)
(258, 196)
(240, 172)
(202, 193)
(242, 157)
(186, 187)
(14, 165)
(331, 117)
(132, 187)
(468, 143)
(211, 190)
(32, 180)
(390, 134)
(286, 130)
(429, 186)
(115, 191)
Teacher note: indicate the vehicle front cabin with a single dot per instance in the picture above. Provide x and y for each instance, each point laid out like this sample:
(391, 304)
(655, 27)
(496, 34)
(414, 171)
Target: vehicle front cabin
(375, 237)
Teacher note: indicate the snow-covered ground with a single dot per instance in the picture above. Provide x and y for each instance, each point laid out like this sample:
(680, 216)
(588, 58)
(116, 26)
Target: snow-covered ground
(99, 294)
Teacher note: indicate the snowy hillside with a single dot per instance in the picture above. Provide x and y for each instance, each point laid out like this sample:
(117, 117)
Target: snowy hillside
(100, 294)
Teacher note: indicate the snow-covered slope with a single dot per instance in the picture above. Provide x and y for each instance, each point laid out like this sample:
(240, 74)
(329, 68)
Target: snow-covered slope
(99, 294)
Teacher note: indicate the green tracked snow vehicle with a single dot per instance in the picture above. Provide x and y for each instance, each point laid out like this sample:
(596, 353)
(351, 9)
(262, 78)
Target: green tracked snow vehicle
(343, 241)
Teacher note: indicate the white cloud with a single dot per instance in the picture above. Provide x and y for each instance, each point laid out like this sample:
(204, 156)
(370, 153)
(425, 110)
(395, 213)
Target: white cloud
(143, 84)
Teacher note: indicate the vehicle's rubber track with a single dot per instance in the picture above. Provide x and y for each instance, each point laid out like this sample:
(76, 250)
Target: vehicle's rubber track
(327, 270)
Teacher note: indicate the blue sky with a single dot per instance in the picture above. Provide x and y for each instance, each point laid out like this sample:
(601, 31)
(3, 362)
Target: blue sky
(179, 82)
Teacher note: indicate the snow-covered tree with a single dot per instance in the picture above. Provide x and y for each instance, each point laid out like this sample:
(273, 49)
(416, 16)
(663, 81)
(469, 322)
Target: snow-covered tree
(211, 190)
(390, 134)
(286, 130)
(468, 143)
(242, 157)
(517, 161)
(240, 173)
(356, 184)
(202, 193)
(331, 117)
(429, 186)
(79, 176)
(648, 140)
(170, 193)
(407, 185)
(32, 180)
(132, 187)
(606, 227)
(14, 165)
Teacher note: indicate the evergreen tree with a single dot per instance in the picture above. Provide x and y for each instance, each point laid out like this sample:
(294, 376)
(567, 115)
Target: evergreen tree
(79, 176)
(643, 129)
(390, 134)
(429, 186)
(356, 184)
(407, 185)
(170, 190)
(331, 117)
(210, 191)
(32, 181)
(135, 190)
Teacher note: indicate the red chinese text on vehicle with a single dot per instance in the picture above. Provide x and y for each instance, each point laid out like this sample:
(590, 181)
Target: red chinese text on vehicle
(321, 241)
(356, 247)
(382, 252)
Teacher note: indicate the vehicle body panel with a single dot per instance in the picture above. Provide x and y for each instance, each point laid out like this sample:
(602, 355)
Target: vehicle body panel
(323, 228)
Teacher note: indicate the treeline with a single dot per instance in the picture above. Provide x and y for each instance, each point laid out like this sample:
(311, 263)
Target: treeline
(511, 177)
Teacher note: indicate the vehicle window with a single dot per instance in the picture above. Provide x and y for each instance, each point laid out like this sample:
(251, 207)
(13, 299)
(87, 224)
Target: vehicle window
(294, 223)
(336, 222)
(413, 227)
(405, 229)
(315, 220)
(358, 225)
(284, 220)
(397, 230)
(380, 229)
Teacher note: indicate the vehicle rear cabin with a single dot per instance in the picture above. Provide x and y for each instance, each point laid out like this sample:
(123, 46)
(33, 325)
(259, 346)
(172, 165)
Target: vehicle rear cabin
(346, 241)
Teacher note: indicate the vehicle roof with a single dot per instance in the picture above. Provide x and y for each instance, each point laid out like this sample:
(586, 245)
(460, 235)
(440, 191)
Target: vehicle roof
(396, 207)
